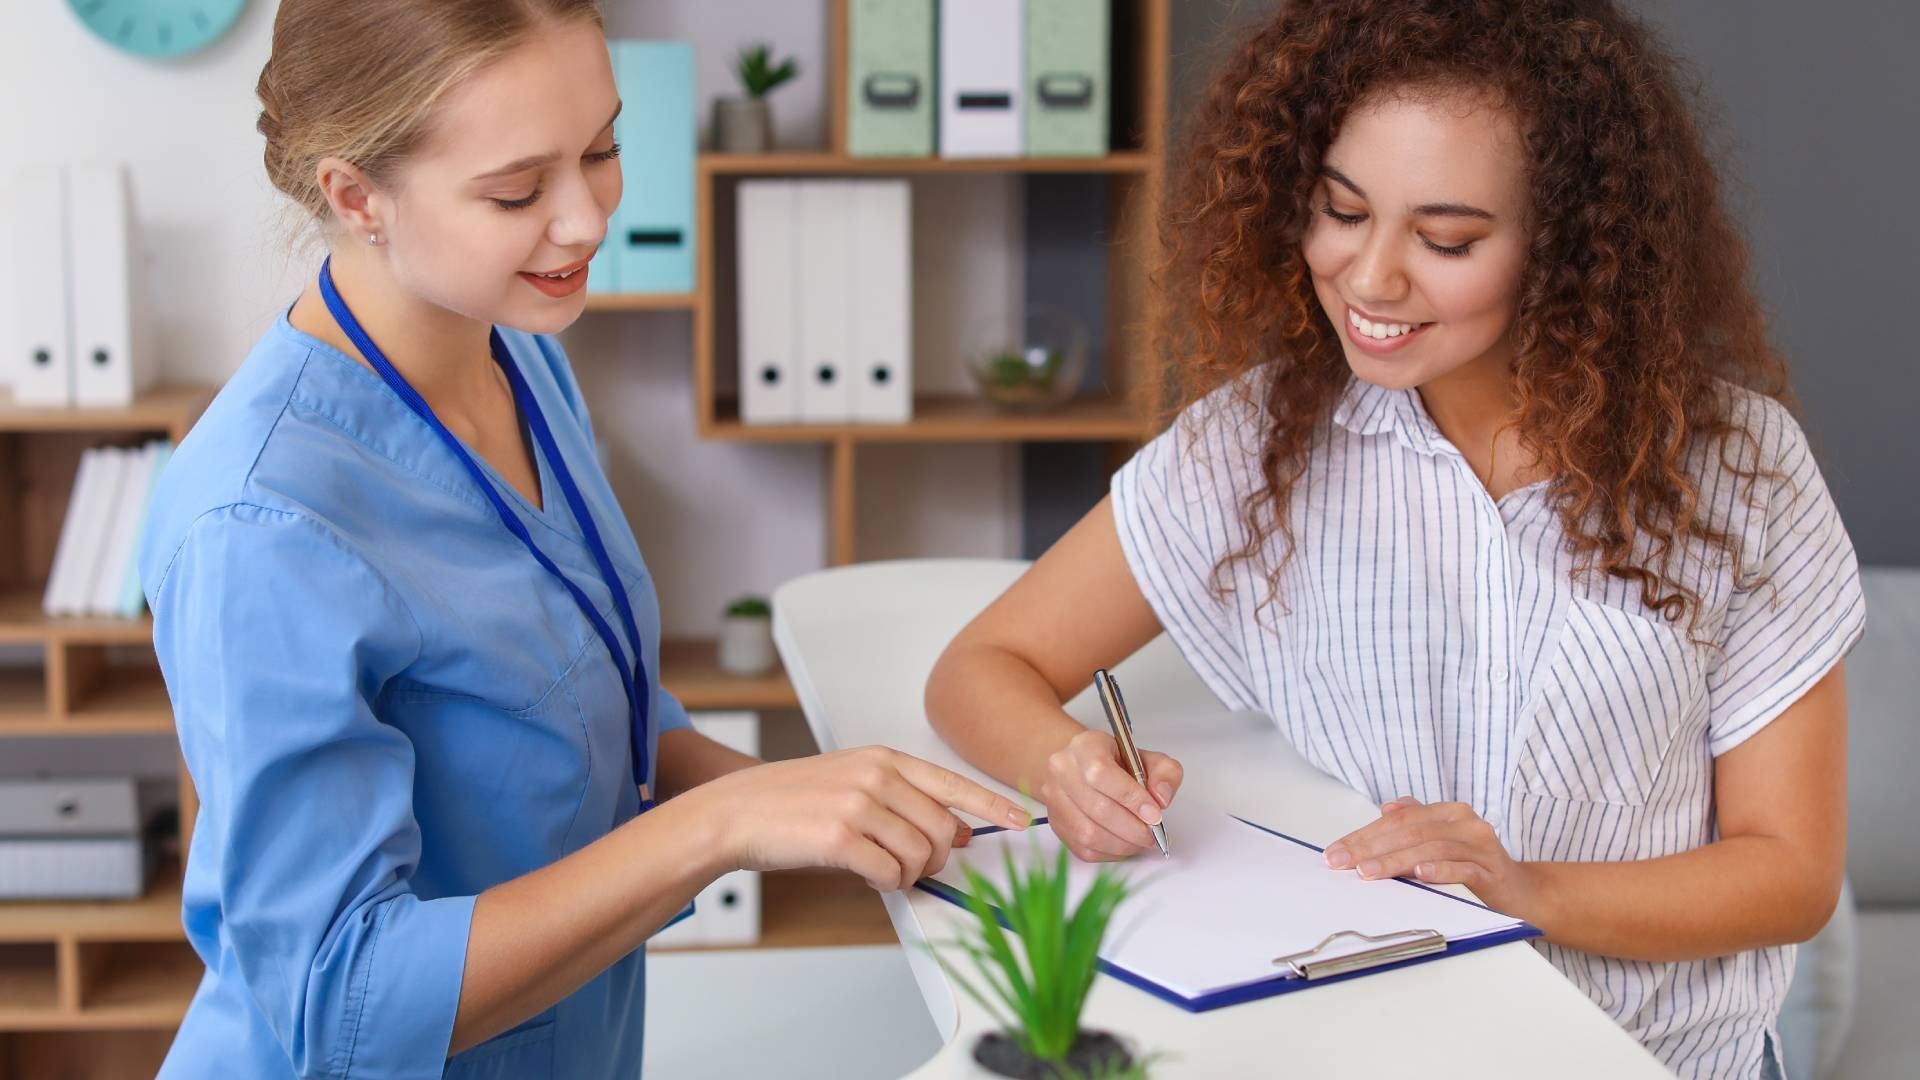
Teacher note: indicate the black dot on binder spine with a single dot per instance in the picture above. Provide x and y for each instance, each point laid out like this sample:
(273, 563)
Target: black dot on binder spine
(881, 375)
(42, 357)
(770, 376)
(100, 357)
(825, 375)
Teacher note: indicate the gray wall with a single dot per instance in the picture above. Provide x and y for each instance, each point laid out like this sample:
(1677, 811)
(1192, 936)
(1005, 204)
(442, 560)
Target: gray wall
(1817, 110)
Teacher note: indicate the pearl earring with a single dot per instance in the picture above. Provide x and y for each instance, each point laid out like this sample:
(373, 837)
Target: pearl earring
(373, 238)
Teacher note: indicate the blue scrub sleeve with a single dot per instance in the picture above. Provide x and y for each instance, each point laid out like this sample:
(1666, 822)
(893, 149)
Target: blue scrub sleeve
(669, 713)
(275, 639)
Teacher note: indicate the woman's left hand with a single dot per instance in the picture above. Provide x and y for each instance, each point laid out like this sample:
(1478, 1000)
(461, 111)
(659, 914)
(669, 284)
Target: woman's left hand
(1441, 844)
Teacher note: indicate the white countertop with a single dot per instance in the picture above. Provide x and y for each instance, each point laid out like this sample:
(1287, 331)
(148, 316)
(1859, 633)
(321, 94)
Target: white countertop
(858, 643)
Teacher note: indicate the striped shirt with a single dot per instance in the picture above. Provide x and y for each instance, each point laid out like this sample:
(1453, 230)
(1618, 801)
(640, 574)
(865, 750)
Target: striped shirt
(1432, 641)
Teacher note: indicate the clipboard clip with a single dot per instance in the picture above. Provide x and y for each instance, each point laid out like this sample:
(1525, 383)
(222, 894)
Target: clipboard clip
(1388, 949)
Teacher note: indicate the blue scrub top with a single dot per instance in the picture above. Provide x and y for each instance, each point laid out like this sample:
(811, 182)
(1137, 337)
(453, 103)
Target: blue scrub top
(387, 706)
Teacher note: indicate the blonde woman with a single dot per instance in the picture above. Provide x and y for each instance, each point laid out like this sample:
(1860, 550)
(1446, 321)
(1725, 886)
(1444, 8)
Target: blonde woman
(410, 643)
(1484, 491)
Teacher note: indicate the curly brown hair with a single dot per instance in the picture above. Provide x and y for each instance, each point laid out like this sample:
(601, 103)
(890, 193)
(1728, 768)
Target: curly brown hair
(1633, 299)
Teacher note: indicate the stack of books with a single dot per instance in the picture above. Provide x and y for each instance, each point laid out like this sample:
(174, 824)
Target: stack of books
(94, 571)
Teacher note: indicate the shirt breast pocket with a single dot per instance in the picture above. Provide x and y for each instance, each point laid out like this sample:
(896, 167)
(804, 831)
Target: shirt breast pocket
(1608, 707)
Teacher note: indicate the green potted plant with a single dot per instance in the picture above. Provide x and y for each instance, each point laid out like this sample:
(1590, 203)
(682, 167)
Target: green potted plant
(1034, 981)
(745, 125)
(746, 638)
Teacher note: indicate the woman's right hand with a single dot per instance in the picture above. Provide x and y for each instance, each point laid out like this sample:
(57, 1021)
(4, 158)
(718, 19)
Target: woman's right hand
(882, 814)
(1096, 806)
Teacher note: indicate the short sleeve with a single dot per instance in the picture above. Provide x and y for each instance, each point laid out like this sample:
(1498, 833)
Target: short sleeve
(275, 640)
(1798, 608)
(671, 715)
(1176, 506)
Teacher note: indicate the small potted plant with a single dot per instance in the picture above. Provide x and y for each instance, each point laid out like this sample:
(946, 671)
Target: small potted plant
(746, 637)
(1034, 981)
(745, 125)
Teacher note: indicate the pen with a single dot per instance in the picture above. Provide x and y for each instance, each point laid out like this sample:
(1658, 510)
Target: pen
(1116, 708)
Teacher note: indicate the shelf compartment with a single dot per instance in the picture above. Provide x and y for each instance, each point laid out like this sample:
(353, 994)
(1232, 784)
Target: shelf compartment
(690, 671)
(23, 699)
(101, 695)
(29, 981)
(136, 984)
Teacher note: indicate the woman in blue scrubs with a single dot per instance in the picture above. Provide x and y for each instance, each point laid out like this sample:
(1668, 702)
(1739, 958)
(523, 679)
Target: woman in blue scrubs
(410, 642)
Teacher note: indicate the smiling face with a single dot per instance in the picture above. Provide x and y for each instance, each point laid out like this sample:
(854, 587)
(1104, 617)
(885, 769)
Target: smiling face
(518, 179)
(1419, 235)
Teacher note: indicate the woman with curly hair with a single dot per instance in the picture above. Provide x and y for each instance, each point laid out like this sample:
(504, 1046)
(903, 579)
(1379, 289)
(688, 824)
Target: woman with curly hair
(1484, 488)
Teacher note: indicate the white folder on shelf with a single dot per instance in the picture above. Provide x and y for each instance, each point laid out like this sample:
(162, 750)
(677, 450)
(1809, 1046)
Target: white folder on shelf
(825, 306)
(982, 53)
(94, 523)
(124, 532)
(40, 354)
(768, 261)
(111, 364)
(882, 289)
(66, 551)
(726, 912)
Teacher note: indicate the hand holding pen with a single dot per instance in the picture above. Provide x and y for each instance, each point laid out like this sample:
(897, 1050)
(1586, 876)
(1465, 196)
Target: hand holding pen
(1095, 802)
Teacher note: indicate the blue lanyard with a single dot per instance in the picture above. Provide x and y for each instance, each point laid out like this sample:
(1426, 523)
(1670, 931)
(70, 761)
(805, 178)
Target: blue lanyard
(633, 676)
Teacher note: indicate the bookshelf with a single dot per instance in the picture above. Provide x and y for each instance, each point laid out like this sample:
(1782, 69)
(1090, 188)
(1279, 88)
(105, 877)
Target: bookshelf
(1121, 417)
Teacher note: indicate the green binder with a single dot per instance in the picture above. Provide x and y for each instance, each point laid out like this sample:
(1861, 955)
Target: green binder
(890, 88)
(1069, 77)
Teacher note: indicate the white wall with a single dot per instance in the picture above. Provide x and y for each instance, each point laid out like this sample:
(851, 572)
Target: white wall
(713, 519)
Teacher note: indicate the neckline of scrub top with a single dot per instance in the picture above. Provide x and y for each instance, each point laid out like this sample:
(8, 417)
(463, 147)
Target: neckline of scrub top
(549, 512)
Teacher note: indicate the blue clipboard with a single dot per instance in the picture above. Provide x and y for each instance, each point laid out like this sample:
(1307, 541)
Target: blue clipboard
(1388, 959)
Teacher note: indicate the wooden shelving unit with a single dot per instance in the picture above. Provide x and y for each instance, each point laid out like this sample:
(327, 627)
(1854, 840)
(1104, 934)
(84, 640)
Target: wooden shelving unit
(84, 967)
(1133, 170)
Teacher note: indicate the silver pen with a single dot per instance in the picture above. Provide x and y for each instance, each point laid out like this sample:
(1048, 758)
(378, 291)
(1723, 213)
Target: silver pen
(1116, 708)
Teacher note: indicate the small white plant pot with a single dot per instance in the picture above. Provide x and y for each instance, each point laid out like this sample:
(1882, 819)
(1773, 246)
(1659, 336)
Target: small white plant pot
(746, 645)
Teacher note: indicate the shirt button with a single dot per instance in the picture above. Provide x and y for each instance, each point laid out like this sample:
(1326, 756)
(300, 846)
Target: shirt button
(1500, 674)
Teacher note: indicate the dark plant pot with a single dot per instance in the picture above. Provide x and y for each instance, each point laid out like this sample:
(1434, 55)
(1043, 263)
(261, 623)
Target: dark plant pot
(1093, 1050)
(742, 125)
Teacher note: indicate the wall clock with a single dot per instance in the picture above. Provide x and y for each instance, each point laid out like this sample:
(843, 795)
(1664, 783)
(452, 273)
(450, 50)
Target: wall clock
(159, 29)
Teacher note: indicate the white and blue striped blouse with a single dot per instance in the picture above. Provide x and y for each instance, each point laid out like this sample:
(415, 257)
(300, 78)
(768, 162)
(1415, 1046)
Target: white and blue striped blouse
(1433, 641)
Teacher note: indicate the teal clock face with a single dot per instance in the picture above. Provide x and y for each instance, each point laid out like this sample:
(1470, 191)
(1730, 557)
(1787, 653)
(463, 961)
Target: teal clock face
(158, 28)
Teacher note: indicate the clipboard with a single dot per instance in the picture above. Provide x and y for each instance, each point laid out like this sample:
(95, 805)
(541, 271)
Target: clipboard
(1303, 970)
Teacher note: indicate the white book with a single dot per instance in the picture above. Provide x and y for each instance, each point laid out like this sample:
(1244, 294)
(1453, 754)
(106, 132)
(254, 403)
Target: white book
(769, 281)
(66, 551)
(825, 310)
(882, 290)
(96, 520)
(122, 533)
(110, 361)
(982, 54)
(133, 599)
(40, 354)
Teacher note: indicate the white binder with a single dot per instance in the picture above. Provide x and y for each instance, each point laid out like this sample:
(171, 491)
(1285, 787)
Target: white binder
(882, 289)
(41, 352)
(66, 551)
(768, 254)
(110, 361)
(124, 532)
(982, 52)
(825, 311)
(94, 522)
(726, 912)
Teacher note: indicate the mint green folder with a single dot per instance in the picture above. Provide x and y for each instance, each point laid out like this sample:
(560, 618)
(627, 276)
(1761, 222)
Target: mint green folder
(1069, 77)
(890, 88)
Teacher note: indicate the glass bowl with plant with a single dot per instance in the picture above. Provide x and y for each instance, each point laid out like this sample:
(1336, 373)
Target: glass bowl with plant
(1039, 368)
